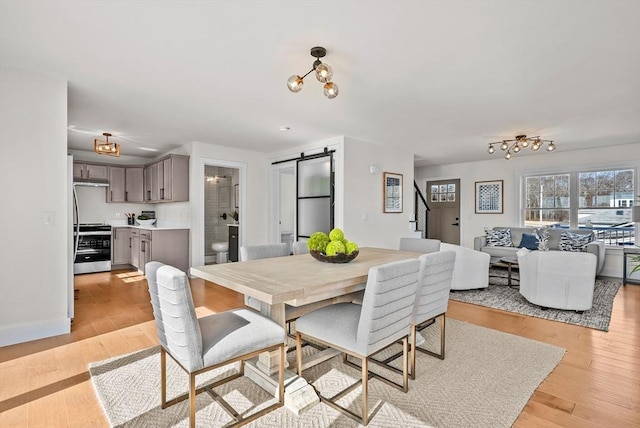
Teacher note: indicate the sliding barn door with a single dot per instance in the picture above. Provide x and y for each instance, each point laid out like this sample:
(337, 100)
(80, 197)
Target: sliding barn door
(315, 195)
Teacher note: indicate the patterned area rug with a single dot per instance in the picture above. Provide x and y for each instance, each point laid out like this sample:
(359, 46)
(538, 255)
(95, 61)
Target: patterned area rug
(485, 381)
(499, 296)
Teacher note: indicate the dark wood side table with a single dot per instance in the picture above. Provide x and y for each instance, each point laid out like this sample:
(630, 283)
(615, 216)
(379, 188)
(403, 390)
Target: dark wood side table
(626, 252)
(510, 262)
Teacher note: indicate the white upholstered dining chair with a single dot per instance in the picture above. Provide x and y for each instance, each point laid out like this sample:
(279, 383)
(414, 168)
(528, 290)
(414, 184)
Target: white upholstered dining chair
(432, 300)
(419, 245)
(363, 330)
(256, 252)
(199, 345)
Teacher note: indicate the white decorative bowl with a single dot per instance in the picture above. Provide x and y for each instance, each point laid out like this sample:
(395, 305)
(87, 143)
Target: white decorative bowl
(146, 222)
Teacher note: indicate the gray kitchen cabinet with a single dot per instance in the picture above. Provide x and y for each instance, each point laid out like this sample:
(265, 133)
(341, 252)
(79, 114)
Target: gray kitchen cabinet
(146, 250)
(167, 180)
(135, 248)
(87, 171)
(234, 233)
(152, 182)
(121, 246)
(171, 246)
(133, 182)
(125, 184)
(117, 182)
(168, 246)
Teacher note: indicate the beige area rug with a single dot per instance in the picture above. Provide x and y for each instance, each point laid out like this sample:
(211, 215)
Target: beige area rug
(485, 381)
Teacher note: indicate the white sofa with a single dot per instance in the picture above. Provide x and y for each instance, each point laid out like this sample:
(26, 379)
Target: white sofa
(557, 279)
(471, 269)
(596, 248)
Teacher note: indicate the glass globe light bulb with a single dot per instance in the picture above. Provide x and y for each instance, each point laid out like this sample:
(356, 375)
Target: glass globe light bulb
(507, 156)
(551, 147)
(331, 90)
(295, 83)
(491, 149)
(535, 147)
(516, 148)
(525, 144)
(324, 73)
(504, 145)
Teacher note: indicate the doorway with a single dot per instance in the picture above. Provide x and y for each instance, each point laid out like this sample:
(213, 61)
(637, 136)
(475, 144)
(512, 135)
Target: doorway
(443, 197)
(287, 203)
(221, 207)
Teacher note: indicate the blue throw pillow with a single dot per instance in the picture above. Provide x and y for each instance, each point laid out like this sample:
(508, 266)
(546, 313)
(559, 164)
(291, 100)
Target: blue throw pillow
(528, 241)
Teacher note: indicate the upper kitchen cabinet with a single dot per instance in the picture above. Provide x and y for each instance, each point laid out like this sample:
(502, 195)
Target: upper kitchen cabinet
(125, 184)
(88, 171)
(167, 180)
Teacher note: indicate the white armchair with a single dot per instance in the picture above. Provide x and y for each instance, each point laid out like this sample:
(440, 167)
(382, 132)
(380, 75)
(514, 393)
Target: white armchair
(471, 269)
(558, 279)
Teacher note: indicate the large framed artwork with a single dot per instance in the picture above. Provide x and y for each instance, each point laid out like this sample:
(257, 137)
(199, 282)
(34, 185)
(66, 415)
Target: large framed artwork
(392, 192)
(489, 195)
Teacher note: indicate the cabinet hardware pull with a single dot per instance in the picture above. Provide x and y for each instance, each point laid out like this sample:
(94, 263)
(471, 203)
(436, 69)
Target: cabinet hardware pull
(126, 196)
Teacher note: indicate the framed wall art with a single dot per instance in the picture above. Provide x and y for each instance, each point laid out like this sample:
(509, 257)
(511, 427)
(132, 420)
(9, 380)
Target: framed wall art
(489, 195)
(392, 192)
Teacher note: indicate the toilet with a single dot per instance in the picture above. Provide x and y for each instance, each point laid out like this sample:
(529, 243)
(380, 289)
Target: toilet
(222, 251)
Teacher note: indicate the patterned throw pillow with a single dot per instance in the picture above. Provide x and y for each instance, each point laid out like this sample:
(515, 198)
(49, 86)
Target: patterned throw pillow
(498, 238)
(574, 241)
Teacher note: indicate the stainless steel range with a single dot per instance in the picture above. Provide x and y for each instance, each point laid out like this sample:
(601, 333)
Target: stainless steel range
(92, 248)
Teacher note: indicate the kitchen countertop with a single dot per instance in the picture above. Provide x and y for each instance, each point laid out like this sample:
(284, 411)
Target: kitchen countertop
(160, 225)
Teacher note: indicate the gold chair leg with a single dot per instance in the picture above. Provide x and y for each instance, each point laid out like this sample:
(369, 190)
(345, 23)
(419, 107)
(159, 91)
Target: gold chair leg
(281, 376)
(192, 400)
(442, 340)
(299, 353)
(443, 323)
(405, 364)
(163, 378)
(365, 391)
(412, 373)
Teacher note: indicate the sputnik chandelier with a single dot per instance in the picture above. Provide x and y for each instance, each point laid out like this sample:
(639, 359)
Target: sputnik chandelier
(512, 147)
(102, 147)
(324, 74)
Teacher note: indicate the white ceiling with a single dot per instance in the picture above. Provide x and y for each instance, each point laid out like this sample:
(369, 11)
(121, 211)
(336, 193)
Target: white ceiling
(440, 79)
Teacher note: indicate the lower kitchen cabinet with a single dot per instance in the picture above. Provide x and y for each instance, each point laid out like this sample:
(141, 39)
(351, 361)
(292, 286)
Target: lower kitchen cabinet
(234, 233)
(137, 247)
(171, 247)
(121, 246)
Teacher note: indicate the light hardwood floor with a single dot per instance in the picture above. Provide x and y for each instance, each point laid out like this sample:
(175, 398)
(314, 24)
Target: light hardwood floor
(46, 383)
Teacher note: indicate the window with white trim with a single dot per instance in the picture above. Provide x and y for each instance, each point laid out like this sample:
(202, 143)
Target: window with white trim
(600, 200)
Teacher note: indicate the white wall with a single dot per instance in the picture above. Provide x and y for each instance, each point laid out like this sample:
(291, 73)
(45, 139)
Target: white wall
(93, 208)
(357, 191)
(497, 168)
(363, 194)
(33, 180)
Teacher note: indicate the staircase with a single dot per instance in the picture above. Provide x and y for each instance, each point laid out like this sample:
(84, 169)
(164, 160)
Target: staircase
(421, 211)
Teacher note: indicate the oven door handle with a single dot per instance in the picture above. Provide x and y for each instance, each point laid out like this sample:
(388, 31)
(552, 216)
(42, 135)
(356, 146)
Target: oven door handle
(95, 233)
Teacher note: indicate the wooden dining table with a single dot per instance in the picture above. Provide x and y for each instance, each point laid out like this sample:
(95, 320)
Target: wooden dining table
(296, 281)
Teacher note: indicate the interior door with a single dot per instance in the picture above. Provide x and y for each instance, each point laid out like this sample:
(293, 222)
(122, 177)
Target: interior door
(315, 195)
(443, 197)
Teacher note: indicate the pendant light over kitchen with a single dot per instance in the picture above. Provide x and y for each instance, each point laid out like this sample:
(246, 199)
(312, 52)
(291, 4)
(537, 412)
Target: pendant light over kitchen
(102, 147)
(324, 74)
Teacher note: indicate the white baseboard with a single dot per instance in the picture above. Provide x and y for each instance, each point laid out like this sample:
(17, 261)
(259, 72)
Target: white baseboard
(34, 331)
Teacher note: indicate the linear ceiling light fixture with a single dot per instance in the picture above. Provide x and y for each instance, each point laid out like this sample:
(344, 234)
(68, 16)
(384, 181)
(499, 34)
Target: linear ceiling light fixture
(107, 147)
(324, 74)
(512, 147)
